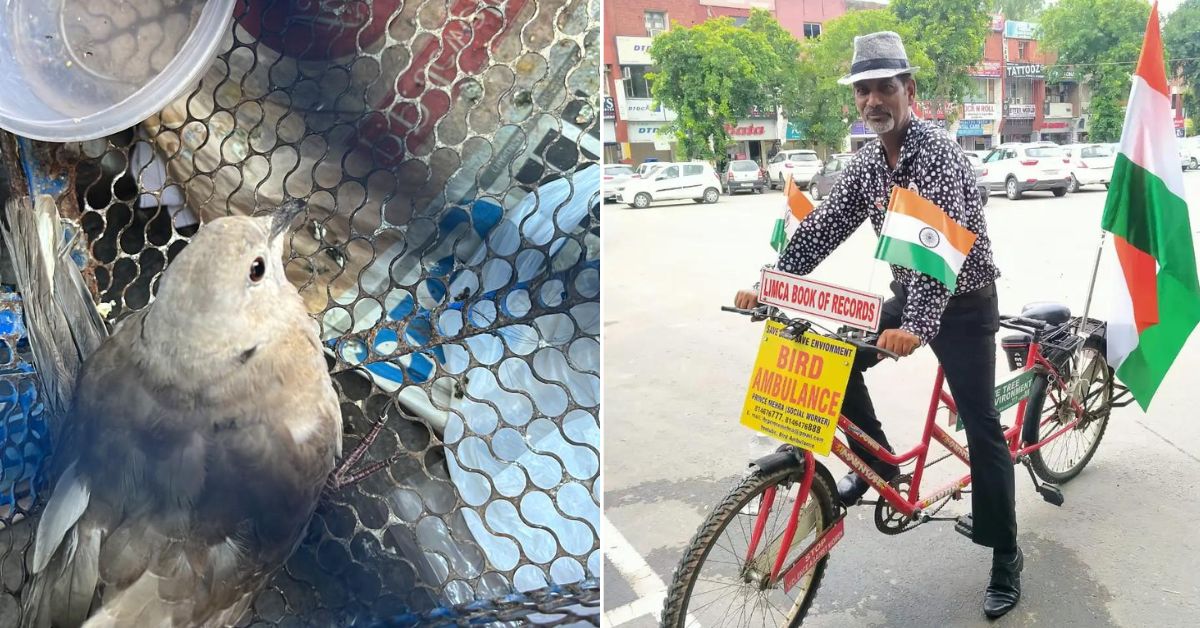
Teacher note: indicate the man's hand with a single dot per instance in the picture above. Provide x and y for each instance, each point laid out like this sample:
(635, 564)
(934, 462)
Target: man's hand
(746, 299)
(898, 341)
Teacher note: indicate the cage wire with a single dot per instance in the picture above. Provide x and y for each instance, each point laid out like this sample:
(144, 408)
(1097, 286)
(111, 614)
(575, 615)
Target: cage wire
(447, 150)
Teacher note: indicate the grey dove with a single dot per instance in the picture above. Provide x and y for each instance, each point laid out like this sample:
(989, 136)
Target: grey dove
(200, 437)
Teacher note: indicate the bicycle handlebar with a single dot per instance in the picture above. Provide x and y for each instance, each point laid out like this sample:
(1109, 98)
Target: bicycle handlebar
(762, 312)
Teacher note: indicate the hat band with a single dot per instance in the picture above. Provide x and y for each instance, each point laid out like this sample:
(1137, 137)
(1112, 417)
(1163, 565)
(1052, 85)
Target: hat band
(878, 64)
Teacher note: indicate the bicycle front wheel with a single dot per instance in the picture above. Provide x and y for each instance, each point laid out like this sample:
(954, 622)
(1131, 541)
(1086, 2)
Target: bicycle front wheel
(1063, 458)
(715, 584)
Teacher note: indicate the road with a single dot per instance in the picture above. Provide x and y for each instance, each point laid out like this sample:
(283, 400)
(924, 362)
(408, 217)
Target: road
(1121, 551)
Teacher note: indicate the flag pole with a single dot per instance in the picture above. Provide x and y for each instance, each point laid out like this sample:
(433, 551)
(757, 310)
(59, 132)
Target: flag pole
(1087, 304)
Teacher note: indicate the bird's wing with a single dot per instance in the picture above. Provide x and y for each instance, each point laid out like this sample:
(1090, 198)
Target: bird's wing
(64, 325)
(67, 503)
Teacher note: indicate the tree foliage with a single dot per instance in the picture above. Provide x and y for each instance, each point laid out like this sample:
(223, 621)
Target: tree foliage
(1102, 52)
(1181, 37)
(711, 74)
(952, 33)
(1020, 10)
(826, 108)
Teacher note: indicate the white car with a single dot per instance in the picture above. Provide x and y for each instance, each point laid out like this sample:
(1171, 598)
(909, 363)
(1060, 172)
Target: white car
(1017, 168)
(615, 177)
(1089, 164)
(800, 165)
(694, 179)
(1189, 153)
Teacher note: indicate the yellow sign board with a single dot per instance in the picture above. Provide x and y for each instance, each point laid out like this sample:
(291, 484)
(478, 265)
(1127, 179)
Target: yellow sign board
(796, 389)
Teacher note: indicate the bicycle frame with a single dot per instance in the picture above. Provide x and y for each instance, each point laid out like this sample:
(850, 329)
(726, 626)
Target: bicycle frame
(911, 505)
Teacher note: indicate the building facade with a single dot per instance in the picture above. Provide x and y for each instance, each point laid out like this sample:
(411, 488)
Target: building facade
(632, 127)
(1018, 96)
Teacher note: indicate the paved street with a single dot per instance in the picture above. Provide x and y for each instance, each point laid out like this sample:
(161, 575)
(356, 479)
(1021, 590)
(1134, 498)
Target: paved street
(1121, 551)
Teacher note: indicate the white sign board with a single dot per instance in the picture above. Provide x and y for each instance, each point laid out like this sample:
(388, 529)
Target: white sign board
(851, 307)
(634, 51)
(980, 111)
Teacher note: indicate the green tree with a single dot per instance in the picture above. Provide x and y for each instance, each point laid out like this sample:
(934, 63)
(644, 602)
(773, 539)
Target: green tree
(952, 33)
(711, 74)
(1103, 53)
(1020, 10)
(1181, 37)
(825, 108)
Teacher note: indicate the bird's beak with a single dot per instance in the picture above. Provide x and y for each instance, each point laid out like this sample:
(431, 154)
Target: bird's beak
(282, 219)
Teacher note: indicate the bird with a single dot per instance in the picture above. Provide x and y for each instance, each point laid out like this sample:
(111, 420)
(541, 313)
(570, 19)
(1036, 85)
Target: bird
(199, 439)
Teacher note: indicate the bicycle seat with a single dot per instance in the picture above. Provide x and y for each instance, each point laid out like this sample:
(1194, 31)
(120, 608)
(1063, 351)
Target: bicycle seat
(1053, 313)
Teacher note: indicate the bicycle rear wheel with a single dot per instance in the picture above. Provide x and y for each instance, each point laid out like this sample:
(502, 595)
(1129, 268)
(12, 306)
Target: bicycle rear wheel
(1064, 457)
(716, 586)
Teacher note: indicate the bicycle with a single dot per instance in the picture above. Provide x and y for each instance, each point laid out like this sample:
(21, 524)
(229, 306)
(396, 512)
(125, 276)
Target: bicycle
(1057, 430)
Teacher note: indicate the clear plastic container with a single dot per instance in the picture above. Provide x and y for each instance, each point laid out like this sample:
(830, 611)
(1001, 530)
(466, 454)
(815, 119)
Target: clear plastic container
(74, 70)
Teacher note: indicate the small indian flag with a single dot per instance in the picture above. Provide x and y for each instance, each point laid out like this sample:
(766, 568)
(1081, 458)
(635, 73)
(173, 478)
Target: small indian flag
(1157, 296)
(917, 234)
(798, 206)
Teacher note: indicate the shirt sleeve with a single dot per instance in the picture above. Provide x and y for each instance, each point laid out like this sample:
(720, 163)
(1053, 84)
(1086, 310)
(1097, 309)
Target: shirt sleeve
(827, 226)
(939, 178)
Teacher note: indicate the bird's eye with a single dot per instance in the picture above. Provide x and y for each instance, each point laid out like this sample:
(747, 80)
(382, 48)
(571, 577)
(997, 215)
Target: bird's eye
(257, 270)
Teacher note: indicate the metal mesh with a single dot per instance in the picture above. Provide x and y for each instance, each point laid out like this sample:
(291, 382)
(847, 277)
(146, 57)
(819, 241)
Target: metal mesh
(447, 150)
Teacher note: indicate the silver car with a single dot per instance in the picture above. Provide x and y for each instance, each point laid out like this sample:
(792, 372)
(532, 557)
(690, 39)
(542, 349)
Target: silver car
(744, 174)
(615, 177)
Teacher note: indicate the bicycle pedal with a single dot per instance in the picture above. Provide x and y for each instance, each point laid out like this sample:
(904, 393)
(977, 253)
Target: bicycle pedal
(965, 525)
(1051, 494)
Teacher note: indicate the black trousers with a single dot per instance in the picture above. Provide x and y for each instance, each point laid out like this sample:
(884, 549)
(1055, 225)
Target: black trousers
(966, 348)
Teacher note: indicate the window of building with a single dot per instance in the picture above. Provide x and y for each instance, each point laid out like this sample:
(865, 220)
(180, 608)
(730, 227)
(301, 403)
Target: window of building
(656, 22)
(812, 30)
(1018, 91)
(636, 83)
(1022, 49)
(983, 90)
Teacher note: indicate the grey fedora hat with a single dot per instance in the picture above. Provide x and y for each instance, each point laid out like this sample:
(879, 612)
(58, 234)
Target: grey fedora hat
(878, 55)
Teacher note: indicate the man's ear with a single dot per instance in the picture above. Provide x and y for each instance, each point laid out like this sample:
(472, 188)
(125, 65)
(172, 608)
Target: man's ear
(911, 86)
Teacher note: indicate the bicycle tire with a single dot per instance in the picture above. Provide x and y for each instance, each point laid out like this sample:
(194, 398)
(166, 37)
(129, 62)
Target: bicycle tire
(679, 593)
(1101, 381)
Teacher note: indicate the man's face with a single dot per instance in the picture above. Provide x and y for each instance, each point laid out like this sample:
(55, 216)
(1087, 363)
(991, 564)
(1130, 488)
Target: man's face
(883, 103)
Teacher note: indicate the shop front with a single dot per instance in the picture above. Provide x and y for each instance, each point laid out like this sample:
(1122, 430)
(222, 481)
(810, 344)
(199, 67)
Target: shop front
(608, 133)
(975, 134)
(1018, 123)
(648, 142)
(860, 135)
(1057, 131)
(752, 139)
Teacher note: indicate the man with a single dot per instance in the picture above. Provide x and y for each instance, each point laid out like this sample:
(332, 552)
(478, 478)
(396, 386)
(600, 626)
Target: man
(959, 327)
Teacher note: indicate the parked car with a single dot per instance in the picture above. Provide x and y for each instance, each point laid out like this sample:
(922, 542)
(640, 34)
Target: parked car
(647, 166)
(822, 182)
(1016, 168)
(1089, 164)
(1189, 153)
(800, 165)
(695, 180)
(615, 177)
(977, 166)
(744, 174)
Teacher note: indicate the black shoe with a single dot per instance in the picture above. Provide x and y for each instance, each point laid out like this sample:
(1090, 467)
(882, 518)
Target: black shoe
(851, 488)
(1004, 589)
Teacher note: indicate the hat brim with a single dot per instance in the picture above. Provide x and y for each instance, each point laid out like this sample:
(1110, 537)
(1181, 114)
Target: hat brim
(869, 75)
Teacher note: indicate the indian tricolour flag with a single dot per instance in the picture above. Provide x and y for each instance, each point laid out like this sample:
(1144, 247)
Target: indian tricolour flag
(917, 234)
(1157, 296)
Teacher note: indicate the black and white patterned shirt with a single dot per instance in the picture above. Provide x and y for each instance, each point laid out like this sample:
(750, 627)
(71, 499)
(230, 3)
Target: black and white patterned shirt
(932, 164)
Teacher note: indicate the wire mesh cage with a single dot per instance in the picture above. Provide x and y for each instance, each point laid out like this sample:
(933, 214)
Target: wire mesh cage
(447, 151)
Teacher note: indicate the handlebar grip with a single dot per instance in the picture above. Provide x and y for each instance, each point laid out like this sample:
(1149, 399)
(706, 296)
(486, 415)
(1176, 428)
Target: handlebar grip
(735, 310)
(877, 349)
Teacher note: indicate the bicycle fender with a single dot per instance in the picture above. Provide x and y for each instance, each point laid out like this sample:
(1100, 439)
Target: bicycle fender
(791, 458)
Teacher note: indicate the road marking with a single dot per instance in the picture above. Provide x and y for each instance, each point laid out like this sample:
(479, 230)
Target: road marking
(650, 590)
